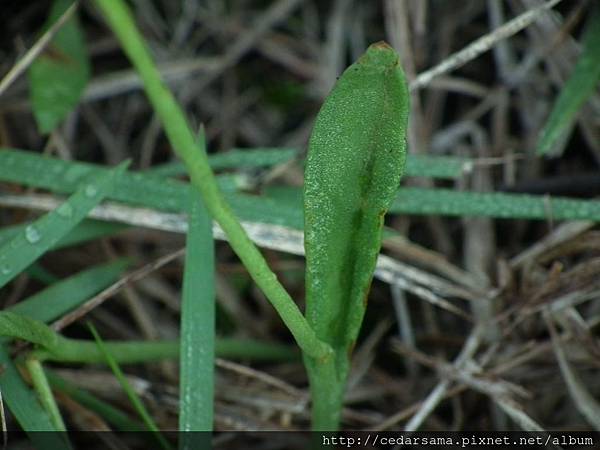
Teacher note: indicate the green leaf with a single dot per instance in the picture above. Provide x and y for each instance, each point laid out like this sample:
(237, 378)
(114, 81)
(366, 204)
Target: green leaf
(30, 330)
(355, 160)
(578, 88)
(44, 233)
(197, 325)
(69, 293)
(131, 394)
(59, 75)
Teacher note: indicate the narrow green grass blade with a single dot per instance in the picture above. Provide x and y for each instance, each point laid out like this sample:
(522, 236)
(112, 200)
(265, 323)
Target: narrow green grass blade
(197, 325)
(253, 208)
(131, 394)
(355, 160)
(233, 159)
(87, 230)
(45, 232)
(112, 415)
(442, 167)
(576, 90)
(60, 176)
(447, 202)
(69, 293)
(44, 392)
(59, 75)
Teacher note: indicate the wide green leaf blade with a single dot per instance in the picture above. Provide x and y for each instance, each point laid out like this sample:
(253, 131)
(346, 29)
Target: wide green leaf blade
(44, 233)
(59, 75)
(355, 161)
(576, 90)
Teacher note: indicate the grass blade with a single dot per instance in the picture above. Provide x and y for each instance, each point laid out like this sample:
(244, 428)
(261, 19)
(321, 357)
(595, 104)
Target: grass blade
(58, 76)
(87, 230)
(44, 392)
(169, 195)
(355, 160)
(576, 90)
(69, 293)
(442, 167)
(45, 232)
(139, 188)
(197, 325)
(236, 158)
(131, 394)
(447, 202)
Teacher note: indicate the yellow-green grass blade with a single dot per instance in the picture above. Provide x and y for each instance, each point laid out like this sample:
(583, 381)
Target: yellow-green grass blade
(576, 90)
(44, 233)
(197, 325)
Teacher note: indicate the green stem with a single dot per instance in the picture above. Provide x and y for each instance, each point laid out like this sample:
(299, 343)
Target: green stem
(40, 383)
(132, 352)
(182, 139)
(327, 385)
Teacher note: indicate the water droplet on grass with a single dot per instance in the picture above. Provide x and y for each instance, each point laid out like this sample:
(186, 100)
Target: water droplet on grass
(65, 210)
(32, 234)
(91, 190)
(5, 270)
